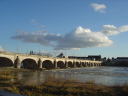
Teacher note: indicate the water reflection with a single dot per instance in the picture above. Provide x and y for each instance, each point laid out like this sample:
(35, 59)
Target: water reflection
(100, 75)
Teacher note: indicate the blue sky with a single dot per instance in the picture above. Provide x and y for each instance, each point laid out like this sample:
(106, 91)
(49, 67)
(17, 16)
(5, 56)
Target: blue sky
(74, 27)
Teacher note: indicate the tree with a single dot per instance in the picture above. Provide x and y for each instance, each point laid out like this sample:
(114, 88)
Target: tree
(108, 60)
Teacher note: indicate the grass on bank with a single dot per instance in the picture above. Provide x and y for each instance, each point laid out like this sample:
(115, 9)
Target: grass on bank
(55, 87)
(59, 87)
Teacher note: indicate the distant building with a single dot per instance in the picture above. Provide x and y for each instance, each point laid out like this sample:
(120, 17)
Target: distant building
(121, 59)
(90, 57)
(61, 55)
(95, 57)
(104, 59)
(78, 57)
(113, 59)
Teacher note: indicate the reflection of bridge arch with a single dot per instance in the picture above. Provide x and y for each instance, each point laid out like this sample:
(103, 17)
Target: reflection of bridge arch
(47, 64)
(6, 62)
(61, 64)
(29, 64)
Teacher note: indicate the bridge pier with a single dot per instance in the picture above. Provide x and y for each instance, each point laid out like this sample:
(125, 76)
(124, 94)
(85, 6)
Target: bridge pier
(89, 64)
(81, 64)
(39, 64)
(17, 63)
(55, 64)
(85, 64)
(74, 65)
(66, 64)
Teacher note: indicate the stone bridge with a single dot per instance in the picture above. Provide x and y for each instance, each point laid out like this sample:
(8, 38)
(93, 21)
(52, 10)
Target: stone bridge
(8, 59)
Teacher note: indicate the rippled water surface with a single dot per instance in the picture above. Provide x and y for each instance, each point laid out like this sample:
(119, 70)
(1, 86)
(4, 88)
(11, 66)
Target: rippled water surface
(100, 75)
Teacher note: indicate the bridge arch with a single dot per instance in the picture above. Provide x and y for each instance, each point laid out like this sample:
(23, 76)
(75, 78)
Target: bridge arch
(29, 63)
(91, 64)
(61, 64)
(77, 64)
(6, 62)
(47, 64)
(83, 64)
(70, 64)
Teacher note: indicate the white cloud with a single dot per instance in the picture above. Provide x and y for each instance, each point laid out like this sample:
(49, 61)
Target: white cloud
(42, 25)
(113, 30)
(82, 38)
(75, 48)
(39, 36)
(33, 21)
(76, 39)
(1, 49)
(98, 7)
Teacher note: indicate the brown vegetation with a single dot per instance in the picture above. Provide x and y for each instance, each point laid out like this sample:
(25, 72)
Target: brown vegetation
(59, 87)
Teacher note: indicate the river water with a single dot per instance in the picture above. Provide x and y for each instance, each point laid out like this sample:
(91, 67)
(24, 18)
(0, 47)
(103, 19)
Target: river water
(100, 75)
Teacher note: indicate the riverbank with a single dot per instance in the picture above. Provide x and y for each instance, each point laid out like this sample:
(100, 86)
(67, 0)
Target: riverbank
(56, 87)
(67, 88)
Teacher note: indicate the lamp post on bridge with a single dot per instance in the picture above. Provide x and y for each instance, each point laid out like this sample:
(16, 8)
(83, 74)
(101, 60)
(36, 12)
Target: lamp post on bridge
(27, 50)
(17, 47)
(4, 46)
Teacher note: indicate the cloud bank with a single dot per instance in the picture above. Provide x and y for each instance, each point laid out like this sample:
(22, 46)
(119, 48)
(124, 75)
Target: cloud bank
(98, 7)
(76, 39)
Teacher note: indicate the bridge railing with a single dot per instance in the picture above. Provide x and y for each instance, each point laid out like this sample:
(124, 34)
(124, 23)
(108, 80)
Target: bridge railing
(40, 56)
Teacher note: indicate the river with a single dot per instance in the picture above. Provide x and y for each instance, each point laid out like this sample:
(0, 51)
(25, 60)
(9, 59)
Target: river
(100, 75)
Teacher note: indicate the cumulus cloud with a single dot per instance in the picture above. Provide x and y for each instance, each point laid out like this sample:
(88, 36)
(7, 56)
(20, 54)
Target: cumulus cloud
(98, 7)
(82, 38)
(76, 39)
(39, 36)
(1, 49)
(113, 30)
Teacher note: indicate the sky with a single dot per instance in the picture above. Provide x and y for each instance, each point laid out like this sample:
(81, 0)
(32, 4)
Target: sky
(72, 27)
